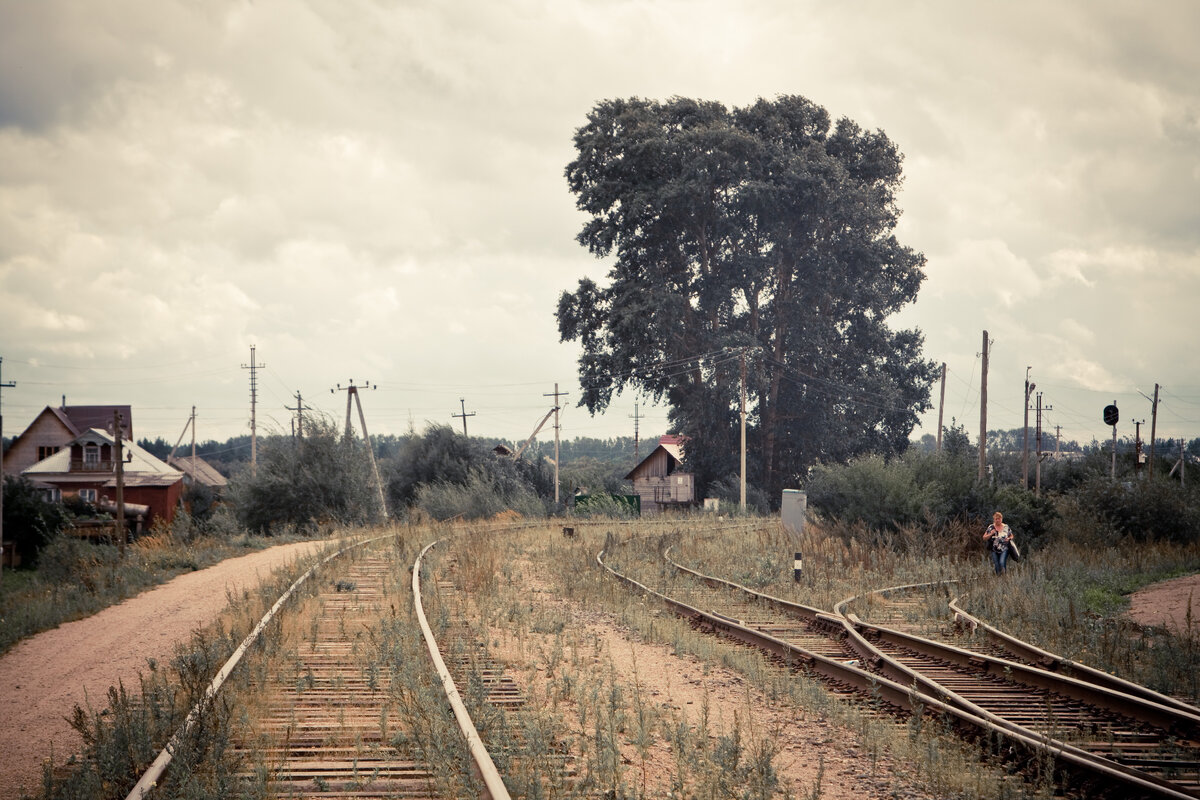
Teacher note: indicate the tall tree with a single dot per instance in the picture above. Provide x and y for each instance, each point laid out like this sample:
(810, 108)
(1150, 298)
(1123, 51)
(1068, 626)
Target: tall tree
(763, 232)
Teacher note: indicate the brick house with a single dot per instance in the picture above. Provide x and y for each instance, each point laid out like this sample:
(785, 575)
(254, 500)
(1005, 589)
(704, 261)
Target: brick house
(659, 481)
(86, 468)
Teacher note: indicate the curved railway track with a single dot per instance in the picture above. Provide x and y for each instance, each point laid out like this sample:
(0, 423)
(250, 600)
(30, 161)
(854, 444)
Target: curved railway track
(1109, 742)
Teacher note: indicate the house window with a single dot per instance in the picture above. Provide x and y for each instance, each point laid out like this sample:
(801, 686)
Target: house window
(91, 455)
(87, 495)
(44, 452)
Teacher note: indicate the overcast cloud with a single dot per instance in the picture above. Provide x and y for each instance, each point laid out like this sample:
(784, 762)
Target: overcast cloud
(374, 191)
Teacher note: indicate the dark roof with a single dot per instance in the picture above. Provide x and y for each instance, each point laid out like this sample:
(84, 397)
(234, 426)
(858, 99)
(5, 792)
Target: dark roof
(84, 417)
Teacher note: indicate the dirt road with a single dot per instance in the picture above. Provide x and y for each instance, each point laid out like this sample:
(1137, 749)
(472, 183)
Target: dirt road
(44, 677)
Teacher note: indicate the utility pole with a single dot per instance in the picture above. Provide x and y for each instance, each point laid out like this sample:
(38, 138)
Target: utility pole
(253, 367)
(1153, 427)
(299, 409)
(941, 408)
(352, 392)
(3, 385)
(119, 463)
(983, 412)
(1040, 409)
(556, 395)
(1057, 440)
(1025, 446)
(742, 493)
(464, 415)
(1137, 445)
(636, 459)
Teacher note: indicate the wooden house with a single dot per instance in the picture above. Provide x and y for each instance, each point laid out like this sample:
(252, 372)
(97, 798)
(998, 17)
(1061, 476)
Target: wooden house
(86, 468)
(659, 480)
(55, 428)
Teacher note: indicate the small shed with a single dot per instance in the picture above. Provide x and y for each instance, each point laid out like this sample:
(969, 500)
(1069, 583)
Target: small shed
(659, 479)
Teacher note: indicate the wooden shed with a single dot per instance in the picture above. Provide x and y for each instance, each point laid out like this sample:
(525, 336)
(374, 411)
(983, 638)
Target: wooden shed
(660, 481)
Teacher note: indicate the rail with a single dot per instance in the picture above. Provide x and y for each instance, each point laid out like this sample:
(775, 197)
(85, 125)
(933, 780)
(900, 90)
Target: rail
(901, 682)
(156, 769)
(484, 766)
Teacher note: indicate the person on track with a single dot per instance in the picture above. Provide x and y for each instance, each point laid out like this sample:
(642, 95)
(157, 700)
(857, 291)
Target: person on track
(1000, 537)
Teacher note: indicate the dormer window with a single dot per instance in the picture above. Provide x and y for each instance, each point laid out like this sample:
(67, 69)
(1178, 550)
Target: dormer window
(91, 455)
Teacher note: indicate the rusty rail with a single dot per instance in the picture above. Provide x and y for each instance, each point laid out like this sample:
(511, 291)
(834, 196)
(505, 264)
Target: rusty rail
(484, 766)
(909, 691)
(156, 769)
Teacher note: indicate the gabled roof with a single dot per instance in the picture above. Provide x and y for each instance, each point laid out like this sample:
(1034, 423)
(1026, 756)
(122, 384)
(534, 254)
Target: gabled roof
(671, 445)
(140, 461)
(84, 417)
(205, 473)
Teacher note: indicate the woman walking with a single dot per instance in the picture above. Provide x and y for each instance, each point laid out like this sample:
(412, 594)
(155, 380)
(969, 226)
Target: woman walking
(1000, 536)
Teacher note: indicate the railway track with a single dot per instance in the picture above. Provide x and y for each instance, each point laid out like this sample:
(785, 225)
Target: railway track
(331, 725)
(1108, 742)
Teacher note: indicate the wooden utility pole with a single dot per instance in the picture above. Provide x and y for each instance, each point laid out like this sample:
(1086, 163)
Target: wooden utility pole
(941, 408)
(253, 367)
(636, 457)
(119, 463)
(464, 414)
(983, 412)
(1025, 444)
(742, 492)
(352, 392)
(9, 385)
(556, 395)
(1040, 409)
(299, 409)
(1137, 445)
(1153, 427)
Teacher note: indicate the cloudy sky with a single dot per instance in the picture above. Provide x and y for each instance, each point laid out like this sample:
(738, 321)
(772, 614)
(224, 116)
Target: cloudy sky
(373, 190)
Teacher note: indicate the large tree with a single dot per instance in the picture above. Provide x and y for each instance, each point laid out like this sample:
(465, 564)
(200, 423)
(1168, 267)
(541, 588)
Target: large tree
(761, 233)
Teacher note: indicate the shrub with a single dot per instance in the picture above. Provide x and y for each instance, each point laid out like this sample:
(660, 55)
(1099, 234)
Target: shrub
(300, 483)
(1140, 509)
(30, 522)
(480, 497)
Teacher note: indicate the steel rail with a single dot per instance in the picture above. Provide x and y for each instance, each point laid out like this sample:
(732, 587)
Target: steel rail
(1145, 706)
(1055, 663)
(927, 691)
(484, 766)
(156, 769)
(856, 627)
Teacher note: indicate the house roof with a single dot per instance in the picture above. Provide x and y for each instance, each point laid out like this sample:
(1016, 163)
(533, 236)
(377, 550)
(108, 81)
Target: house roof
(84, 417)
(673, 450)
(205, 473)
(140, 461)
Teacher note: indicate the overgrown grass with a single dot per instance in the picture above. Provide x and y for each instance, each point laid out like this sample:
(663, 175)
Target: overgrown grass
(76, 578)
(530, 588)
(121, 739)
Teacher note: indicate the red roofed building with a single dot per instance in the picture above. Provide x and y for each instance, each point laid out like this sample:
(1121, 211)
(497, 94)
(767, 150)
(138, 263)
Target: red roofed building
(86, 468)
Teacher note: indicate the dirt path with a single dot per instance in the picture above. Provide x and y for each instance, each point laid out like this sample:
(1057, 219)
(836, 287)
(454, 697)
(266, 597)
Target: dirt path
(44, 677)
(1168, 604)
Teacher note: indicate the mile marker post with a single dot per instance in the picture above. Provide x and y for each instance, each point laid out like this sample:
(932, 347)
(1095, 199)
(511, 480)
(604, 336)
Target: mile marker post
(798, 568)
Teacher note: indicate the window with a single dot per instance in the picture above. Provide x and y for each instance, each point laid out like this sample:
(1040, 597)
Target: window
(91, 454)
(44, 452)
(87, 495)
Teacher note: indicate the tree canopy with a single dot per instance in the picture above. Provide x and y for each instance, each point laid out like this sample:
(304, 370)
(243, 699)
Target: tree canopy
(763, 233)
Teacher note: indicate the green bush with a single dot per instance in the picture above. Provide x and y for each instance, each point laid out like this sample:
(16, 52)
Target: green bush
(921, 489)
(1142, 510)
(30, 522)
(480, 497)
(301, 483)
